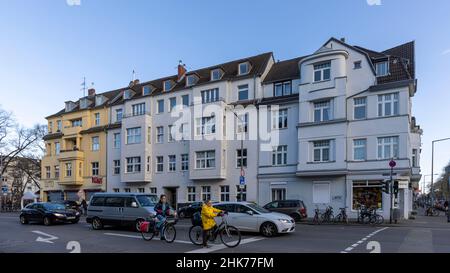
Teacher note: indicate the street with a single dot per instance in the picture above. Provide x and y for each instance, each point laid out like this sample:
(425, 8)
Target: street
(423, 235)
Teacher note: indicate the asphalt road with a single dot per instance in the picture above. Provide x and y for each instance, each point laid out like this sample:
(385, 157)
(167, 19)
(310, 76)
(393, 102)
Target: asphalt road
(425, 234)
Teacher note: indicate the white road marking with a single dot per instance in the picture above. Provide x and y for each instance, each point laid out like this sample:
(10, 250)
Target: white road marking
(219, 247)
(363, 239)
(48, 240)
(140, 237)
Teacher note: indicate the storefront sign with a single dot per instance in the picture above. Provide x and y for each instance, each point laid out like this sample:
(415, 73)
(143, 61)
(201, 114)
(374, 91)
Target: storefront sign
(97, 180)
(403, 184)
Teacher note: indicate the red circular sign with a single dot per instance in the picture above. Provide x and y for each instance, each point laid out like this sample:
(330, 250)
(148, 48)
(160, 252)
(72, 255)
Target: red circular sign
(392, 164)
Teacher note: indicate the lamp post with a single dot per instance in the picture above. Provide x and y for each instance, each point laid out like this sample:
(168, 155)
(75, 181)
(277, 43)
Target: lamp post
(432, 166)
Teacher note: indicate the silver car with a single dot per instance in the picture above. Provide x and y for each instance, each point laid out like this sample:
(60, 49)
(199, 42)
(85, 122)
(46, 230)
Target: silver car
(250, 217)
(119, 209)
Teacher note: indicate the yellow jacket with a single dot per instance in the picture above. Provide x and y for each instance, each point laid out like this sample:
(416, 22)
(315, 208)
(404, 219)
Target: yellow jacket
(208, 214)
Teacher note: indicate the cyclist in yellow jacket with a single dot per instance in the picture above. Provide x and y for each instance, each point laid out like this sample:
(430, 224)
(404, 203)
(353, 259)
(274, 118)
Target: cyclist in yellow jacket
(208, 214)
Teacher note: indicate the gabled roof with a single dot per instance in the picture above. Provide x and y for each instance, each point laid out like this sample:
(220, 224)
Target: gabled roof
(284, 70)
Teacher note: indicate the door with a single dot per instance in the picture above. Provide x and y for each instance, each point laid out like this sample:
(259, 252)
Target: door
(171, 194)
(113, 210)
(38, 213)
(131, 214)
(244, 221)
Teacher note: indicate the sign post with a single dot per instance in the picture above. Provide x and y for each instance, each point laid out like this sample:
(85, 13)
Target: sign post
(392, 164)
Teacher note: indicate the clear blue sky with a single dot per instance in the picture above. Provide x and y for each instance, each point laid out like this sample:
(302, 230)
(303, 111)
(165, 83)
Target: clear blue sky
(47, 46)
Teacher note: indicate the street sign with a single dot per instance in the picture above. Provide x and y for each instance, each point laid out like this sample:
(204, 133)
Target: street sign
(4, 189)
(392, 164)
(242, 180)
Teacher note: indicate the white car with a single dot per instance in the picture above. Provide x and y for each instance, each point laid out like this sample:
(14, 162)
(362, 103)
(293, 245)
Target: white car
(253, 218)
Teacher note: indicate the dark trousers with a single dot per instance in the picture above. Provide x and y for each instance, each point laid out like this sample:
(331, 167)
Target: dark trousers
(207, 233)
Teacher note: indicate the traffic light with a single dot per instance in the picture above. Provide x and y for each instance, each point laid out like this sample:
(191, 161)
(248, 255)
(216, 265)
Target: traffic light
(386, 186)
(395, 188)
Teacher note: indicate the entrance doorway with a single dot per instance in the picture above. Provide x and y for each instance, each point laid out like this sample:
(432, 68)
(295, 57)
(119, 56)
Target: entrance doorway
(171, 193)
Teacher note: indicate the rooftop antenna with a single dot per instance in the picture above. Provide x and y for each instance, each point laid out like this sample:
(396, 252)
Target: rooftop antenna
(134, 76)
(84, 86)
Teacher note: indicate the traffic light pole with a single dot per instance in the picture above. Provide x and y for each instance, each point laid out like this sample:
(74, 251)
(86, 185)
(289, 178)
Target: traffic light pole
(391, 192)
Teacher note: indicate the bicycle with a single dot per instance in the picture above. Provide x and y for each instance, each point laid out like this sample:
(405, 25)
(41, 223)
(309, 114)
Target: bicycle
(375, 218)
(431, 211)
(328, 216)
(230, 236)
(317, 216)
(149, 230)
(342, 216)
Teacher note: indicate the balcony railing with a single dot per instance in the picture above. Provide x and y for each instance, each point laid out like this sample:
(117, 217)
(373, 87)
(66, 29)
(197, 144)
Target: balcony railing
(71, 155)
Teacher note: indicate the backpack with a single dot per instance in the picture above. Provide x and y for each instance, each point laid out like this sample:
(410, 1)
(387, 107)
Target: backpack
(197, 219)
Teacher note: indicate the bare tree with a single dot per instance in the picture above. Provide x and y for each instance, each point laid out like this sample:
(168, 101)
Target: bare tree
(6, 124)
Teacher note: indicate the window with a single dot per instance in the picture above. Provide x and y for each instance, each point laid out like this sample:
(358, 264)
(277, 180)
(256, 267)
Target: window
(127, 94)
(241, 193)
(242, 124)
(388, 105)
(68, 169)
(172, 163)
(97, 119)
(159, 134)
(119, 115)
(321, 193)
(58, 126)
(116, 166)
(205, 160)
(116, 137)
(244, 68)
(185, 100)
(238, 158)
(278, 194)
(148, 164)
(138, 109)
(191, 80)
(382, 69)
(184, 130)
(159, 164)
(191, 194)
(360, 108)
(359, 149)
(141, 190)
(170, 134)
(77, 123)
(94, 168)
(185, 162)
(48, 150)
(357, 65)
(216, 74)
(280, 119)
(368, 193)
(146, 90)
(282, 89)
(95, 143)
(387, 147)
(57, 171)
(206, 126)
(127, 190)
(172, 103)
(224, 193)
(243, 92)
(134, 164)
(80, 169)
(116, 190)
(57, 148)
(322, 111)
(206, 193)
(160, 106)
(50, 127)
(322, 72)
(167, 85)
(153, 190)
(98, 100)
(48, 172)
(321, 150)
(279, 155)
(134, 135)
(210, 95)
(414, 158)
(149, 135)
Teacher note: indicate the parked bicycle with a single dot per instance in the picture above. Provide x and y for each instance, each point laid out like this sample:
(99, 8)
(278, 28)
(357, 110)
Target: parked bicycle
(342, 216)
(432, 211)
(149, 229)
(317, 216)
(370, 216)
(328, 216)
(230, 236)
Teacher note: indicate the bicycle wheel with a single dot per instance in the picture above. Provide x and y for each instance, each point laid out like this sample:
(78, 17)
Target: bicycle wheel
(170, 233)
(436, 212)
(195, 235)
(379, 219)
(316, 219)
(147, 235)
(338, 218)
(230, 236)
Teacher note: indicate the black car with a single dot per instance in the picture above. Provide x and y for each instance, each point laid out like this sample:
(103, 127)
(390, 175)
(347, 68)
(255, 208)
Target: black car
(190, 209)
(48, 213)
(294, 208)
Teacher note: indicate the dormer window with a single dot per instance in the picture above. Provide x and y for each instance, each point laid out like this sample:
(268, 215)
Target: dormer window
(168, 85)
(382, 69)
(216, 74)
(244, 68)
(69, 106)
(146, 90)
(84, 103)
(127, 94)
(191, 80)
(98, 100)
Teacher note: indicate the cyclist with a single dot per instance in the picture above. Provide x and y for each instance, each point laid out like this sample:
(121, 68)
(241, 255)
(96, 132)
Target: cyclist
(208, 214)
(163, 210)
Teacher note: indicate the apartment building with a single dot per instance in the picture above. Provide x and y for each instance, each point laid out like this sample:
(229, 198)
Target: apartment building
(74, 165)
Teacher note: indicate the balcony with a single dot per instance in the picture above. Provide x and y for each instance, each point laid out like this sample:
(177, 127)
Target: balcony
(71, 155)
(71, 181)
(72, 131)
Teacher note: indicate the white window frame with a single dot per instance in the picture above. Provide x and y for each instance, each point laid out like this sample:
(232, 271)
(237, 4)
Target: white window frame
(280, 115)
(205, 126)
(68, 169)
(165, 85)
(204, 158)
(58, 125)
(148, 88)
(138, 109)
(95, 168)
(160, 134)
(382, 68)
(275, 190)
(220, 74)
(319, 145)
(242, 124)
(321, 68)
(185, 162)
(170, 137)
(240, 66)
(357, 144)
(243, 88)
(119, 115)
(244, 158)
(224, 193)
(159, 164)
(279, 152)
(282, 88)
(321, 106)
(191, 193)
(191, 80)
(172, 163)
(183, 100)
(116, 167)
(206, 193)
(135, 164)
(97, 119)
(210, 95)
(360, 103)
(172, 106)
(95, 143)
(134, 135)
(117, 140)
(389, 101)
(57, 148)
(160, 106)
(48, 172)
(149, 164)
(392, 142)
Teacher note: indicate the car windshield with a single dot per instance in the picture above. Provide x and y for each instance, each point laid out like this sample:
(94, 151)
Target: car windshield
(54, 206)
(258, 208)
(147, 200)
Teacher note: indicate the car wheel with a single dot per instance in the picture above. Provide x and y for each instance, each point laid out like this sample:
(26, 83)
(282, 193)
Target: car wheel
(97, 223)
(182, 214)
(268, 229)
(138, 224)
(47, 221)
(23, 220)
(296, 217)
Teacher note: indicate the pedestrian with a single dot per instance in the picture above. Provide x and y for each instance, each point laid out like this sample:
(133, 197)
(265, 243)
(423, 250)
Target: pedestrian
(84, 205)
(446, 211)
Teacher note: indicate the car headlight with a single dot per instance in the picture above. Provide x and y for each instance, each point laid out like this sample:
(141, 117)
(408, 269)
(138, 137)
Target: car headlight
(58, 214)
(77, 213)
(284, 221)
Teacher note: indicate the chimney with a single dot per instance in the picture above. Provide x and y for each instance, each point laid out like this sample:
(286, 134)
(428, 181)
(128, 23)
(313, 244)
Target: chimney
(181, 70)
(91, 92)
(343, 39)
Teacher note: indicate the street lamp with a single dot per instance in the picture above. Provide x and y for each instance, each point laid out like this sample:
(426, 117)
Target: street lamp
(432, 166)
(424, 181)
